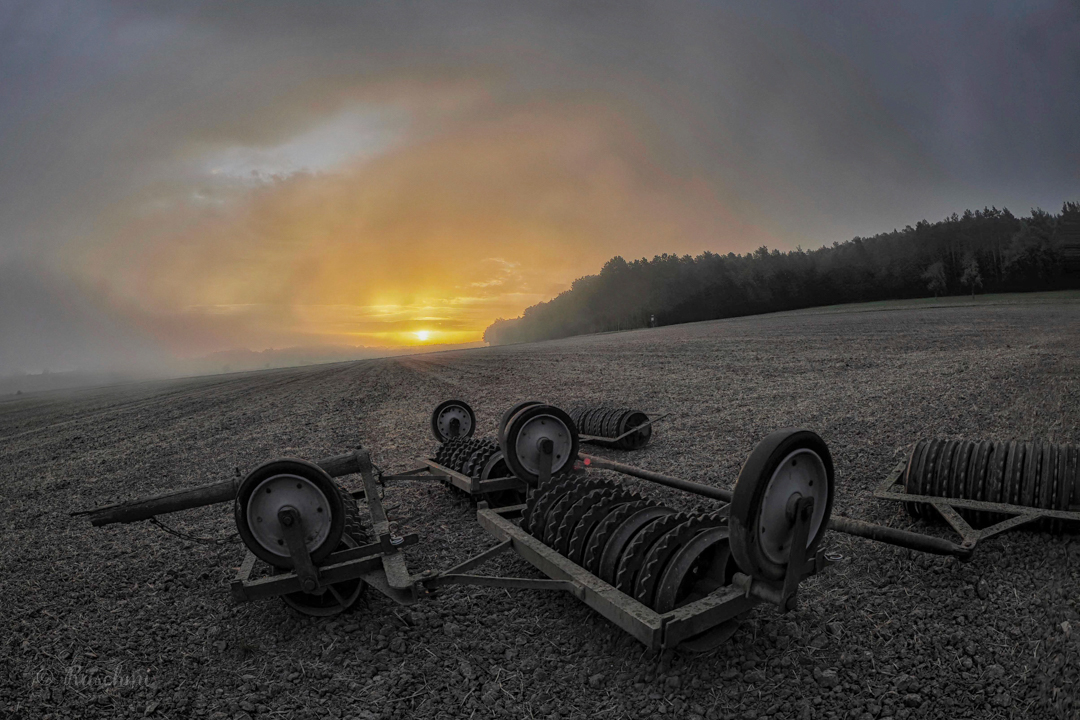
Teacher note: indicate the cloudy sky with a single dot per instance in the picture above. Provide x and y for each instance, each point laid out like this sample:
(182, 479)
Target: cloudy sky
(184, 178)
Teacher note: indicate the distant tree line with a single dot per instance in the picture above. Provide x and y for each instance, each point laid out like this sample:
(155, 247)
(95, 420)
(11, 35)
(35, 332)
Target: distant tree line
(988, 250)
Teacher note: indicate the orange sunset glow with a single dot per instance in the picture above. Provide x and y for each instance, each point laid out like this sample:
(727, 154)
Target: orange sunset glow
(421, 243)
(189, 186)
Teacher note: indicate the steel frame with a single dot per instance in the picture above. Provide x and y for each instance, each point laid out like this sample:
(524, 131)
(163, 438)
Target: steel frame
(381, 564)
(892, 488)
(654, 630)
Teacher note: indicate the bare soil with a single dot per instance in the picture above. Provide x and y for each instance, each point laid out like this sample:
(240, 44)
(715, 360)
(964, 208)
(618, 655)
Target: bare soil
(129, 621)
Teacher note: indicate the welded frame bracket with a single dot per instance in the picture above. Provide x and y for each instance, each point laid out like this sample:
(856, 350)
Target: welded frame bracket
(304, 569)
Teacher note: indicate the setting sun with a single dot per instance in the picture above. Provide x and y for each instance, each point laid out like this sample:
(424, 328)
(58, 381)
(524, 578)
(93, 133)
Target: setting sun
(422, 335)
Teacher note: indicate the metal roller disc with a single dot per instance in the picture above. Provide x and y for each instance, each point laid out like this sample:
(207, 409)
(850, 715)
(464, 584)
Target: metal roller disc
(622, 426)
(785, 466)
(546, 500)
(995, 481)
(1014, 458)
(943, 471)
(594, 548)
(700, 566)
(612, 422)
(633, 556)
(532, 497)
(1073, 474)
(958, 459)
(541, 513)
(470, 459)
(558, 514)
(591, 520)
(448, 411)
(983, 476)
(442, 455)
(598, 420)
(1048, 487)
(334, 599)
(639, 438)
(581, 504)
(524, 434)
(449, 449)
(612, 429)
(661, 553)
(911, 477)
(594, 420)
(1046, 477)
(460, 458)
(1072, 481)
(585, 426)
(930, 469)
(926, 472)
(1032, 454)
(1060, 487)
(511, 412)
(1064, 490)
(622, 537)
(927, 461)
(454, 460)
(978, 458)
(541, 501)
(992, 459)
(960, 468)
(288, 483)
(971, 488)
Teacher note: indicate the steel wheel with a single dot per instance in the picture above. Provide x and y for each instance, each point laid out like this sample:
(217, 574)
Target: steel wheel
(448, 411)
(294, 483)
(786, 465)
(524, 433)
(511, 412)
(334, 599)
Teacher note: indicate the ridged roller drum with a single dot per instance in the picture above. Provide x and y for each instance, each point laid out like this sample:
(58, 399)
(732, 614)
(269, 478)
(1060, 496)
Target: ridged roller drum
(605, 423)
(1035, 474)
(661, 558)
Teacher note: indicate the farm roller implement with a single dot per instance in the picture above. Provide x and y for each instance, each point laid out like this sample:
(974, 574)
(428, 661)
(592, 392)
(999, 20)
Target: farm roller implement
(667, 577)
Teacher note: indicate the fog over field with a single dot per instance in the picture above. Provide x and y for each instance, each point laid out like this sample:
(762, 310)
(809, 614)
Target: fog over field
(328, 180)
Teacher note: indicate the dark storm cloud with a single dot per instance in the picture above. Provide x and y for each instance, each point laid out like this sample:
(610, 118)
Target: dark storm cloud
(808, 122)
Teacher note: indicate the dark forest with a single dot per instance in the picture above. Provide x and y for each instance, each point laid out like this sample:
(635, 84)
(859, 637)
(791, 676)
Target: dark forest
(985, 251)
